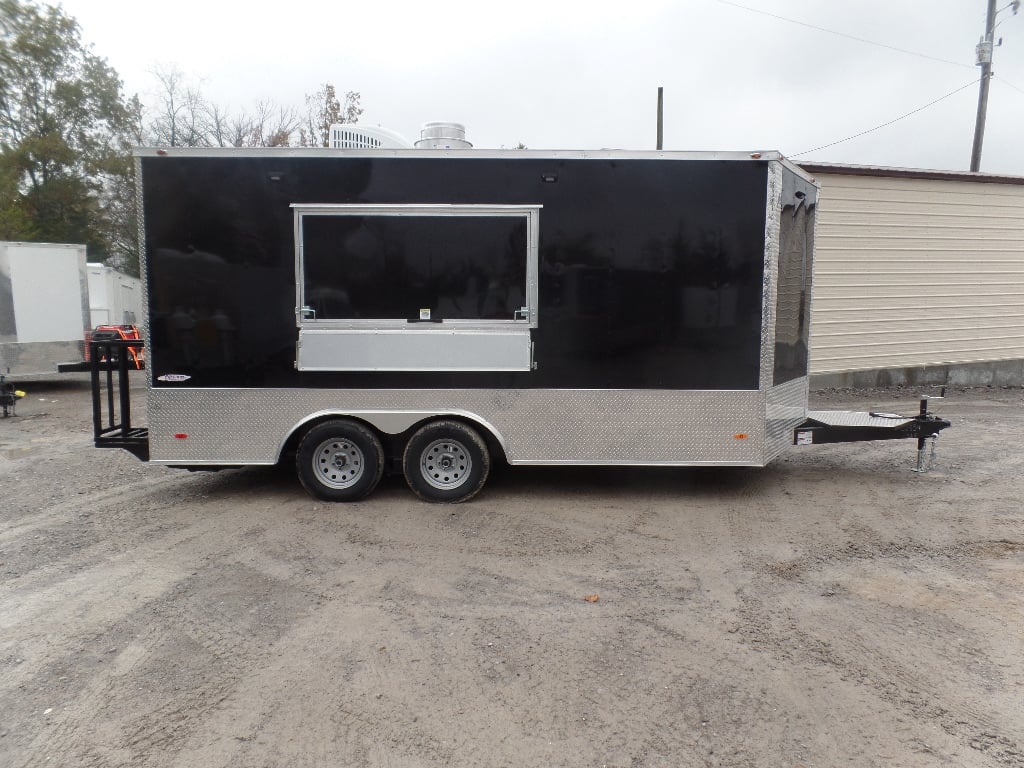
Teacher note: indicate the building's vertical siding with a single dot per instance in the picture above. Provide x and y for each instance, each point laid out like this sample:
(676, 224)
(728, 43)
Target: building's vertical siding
(916, 272)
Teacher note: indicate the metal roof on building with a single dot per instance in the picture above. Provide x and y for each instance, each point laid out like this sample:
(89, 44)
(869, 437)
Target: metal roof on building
(910, 173)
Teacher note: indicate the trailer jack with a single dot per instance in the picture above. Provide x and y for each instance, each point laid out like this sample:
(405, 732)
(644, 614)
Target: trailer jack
(8, 397)
(856, 426)
(923, 464)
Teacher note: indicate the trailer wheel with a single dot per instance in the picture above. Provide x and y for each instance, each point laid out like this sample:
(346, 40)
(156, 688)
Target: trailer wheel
(340, 460)
(446, 461)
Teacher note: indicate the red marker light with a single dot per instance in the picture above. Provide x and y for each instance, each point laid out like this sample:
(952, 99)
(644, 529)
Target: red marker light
(181, 435)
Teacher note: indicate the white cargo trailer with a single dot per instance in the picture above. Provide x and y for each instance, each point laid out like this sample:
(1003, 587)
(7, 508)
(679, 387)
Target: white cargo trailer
(44, 307)
(114, 297)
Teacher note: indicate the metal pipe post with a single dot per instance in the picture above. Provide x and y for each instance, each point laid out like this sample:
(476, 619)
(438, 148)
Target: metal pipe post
(661, 115)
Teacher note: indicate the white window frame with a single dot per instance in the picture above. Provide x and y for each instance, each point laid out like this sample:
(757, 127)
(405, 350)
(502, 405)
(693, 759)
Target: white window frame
(531, 213)
(396, 344)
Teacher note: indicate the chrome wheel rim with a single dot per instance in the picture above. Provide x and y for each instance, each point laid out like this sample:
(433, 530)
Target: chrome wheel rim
(338, 463)
(446, 464)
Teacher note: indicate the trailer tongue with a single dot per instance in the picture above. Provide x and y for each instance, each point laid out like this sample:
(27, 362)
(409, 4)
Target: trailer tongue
(857, 426)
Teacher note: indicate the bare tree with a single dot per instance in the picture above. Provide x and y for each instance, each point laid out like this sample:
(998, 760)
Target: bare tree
(272, 125)
(184, 117)
(323, 109)
(179, 118)
(219, 123)
(350, 109)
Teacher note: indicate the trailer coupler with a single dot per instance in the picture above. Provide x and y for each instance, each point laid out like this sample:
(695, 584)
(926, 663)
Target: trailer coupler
(856, 426)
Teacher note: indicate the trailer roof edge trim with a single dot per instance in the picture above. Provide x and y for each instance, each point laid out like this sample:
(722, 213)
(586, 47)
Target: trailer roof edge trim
(44, 245)
(558, 154)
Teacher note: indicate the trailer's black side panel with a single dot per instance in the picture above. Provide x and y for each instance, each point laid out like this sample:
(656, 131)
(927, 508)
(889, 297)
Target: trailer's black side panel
(650, 270)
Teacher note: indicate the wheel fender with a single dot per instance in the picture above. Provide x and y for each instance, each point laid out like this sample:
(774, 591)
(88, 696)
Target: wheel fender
(393, 422)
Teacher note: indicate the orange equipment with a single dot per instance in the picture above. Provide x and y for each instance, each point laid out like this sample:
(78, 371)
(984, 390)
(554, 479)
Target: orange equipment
(126, 332)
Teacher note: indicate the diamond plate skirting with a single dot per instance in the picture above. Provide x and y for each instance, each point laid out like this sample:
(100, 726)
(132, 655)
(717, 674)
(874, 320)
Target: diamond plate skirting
(785, 410)
(858, 419)
(640, 427)
(38, 358)
(770, 278)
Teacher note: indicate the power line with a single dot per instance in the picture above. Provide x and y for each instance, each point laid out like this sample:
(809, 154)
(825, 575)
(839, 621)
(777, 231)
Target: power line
(849, 37)
(883, 125)
(1004, 81)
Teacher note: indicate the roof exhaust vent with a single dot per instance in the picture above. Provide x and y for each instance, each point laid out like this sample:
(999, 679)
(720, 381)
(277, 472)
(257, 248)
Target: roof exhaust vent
(443, 136)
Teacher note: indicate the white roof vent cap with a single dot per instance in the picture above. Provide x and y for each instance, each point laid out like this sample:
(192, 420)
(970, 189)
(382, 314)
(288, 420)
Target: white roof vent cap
(443, 135)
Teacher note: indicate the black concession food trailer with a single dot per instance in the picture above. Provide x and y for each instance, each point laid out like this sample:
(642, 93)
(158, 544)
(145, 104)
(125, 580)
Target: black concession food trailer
(434, 310)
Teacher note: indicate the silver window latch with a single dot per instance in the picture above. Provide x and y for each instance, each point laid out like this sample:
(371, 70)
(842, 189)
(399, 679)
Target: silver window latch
(521, 314)
(307, 313)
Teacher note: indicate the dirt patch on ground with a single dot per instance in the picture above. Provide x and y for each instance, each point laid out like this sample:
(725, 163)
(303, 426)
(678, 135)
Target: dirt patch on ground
(831, 609)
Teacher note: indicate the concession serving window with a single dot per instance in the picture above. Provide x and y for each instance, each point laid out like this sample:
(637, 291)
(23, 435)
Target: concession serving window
(416, 287)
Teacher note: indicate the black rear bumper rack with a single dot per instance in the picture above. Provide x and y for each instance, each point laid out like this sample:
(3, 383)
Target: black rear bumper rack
(109, 363)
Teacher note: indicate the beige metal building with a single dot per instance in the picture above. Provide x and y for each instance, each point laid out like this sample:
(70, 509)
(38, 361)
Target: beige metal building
(919, 277)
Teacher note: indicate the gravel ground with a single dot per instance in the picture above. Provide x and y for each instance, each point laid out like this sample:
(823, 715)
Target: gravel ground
(832, 609)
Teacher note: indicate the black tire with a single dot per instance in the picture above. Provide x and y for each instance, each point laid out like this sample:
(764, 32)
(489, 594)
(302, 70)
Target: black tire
(340, 460)
(446, 462)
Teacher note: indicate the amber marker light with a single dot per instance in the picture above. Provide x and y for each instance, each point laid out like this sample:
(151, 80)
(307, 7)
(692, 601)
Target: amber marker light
(741, 436)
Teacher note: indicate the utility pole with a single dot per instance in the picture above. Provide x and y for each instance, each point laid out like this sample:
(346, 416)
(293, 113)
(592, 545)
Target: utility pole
(985, 48)
(661, 106)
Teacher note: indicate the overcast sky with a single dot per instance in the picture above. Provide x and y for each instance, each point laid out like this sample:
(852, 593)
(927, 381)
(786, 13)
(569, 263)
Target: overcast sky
(583, 74)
